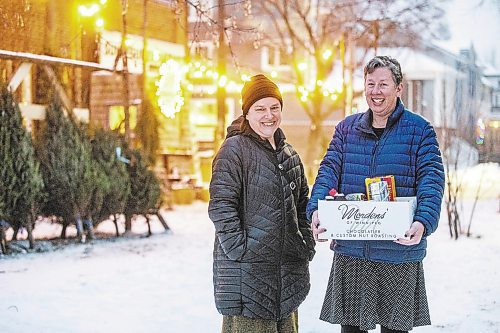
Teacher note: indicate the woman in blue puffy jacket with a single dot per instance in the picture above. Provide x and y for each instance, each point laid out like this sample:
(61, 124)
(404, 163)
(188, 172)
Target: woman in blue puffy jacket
(380, 281)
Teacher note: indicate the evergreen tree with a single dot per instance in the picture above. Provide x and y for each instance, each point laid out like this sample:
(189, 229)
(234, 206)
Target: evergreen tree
(145, 189)
(21, 184)
(115, 175)
(71, 175)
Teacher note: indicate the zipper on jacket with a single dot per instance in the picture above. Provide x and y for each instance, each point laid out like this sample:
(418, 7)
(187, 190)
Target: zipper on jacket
(281, 169)
(372, 162)
(281, 172)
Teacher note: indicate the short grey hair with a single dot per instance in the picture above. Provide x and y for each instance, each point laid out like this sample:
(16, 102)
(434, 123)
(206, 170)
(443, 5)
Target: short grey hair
(387, 62)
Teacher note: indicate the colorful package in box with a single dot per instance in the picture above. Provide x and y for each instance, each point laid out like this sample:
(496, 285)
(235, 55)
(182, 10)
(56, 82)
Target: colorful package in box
(381, 188)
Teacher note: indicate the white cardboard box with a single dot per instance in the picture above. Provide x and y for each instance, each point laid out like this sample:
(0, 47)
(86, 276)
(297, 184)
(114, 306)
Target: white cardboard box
(366, 220)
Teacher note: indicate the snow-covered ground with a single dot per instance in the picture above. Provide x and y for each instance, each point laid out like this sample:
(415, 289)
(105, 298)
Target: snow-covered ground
(164, 283)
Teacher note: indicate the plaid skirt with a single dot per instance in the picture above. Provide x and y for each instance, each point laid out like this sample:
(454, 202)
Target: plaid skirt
(240, 324)
(365, 293)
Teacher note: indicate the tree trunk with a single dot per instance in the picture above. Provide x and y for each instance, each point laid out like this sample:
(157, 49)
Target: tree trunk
(15, 228)
(63, 231)
(221, 69)
(115, 222)
(29, 228)
(79, 228)
(315, 150)
(128, 223)
(162, 220)
(88, 225)
(3, 240)
(476, 198)
(149, 224)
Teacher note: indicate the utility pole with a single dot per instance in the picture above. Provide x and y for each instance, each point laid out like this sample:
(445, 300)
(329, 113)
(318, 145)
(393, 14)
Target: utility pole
(221, 70)
(126, 93)
(144, 53)
(344, 70)
(349, 92)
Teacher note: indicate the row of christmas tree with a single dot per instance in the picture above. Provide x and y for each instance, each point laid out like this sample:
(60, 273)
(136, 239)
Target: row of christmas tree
(69, 174)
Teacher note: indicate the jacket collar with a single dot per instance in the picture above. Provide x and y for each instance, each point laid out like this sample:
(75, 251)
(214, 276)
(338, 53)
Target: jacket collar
(365, 121)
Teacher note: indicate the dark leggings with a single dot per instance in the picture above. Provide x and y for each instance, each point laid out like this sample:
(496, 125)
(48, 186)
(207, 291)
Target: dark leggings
(355, 329)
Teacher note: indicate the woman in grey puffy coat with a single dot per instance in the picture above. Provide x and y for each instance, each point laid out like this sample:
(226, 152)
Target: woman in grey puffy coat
(258, 199)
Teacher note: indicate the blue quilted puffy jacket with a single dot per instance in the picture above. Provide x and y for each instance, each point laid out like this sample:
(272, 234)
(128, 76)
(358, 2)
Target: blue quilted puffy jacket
(408, 149)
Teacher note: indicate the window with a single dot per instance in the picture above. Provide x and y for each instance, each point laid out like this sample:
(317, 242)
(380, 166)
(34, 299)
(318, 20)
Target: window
(117, 117)
(418, 96)
(274, 57)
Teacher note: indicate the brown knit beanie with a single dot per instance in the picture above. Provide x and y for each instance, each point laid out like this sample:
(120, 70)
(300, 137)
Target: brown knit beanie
(257, 88)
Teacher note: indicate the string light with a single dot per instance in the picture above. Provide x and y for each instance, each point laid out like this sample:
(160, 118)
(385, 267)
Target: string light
(327, 54)
(169, 92)
(88, 11)
(99, 23)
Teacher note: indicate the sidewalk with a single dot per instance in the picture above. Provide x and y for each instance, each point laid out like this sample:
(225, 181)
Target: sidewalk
(164, 283)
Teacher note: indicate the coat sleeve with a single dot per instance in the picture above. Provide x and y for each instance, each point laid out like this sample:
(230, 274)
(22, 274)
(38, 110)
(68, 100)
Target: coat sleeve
(225, 197)
(430, 181)
(329, 170)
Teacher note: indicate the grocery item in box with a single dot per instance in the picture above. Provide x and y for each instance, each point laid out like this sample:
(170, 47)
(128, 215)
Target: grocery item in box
(381, 188)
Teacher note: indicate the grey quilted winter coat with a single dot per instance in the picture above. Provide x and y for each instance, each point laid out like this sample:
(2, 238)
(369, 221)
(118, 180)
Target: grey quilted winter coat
(263, 242)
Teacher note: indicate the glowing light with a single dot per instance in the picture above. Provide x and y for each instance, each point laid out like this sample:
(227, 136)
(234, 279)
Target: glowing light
(99, 23)
(303, 98)
(103, 2)
(231, 86)
(245, 77)
(128, 42)
(156, 55)
(302, 66)
(274, 74)
(222, 81)
(327, 54)
(319, 83)
(170, 99)
(88, 11)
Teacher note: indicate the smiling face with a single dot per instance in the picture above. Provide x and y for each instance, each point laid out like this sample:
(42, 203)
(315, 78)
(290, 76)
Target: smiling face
(381, 93)
(264, 117)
